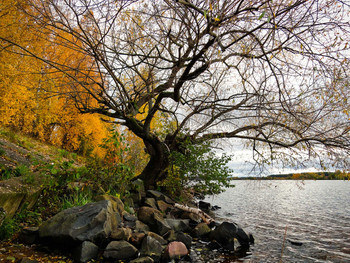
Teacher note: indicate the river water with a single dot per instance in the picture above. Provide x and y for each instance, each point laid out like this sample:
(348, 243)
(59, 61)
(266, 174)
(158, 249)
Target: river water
(314, 213)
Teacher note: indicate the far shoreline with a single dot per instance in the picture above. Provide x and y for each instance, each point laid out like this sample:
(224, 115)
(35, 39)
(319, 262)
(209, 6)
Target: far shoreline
(337, 175)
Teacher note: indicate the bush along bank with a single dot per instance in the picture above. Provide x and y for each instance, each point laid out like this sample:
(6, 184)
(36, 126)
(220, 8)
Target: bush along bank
(154, 229)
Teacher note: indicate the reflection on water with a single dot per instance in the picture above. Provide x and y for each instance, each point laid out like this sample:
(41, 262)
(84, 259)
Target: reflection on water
(315, 213)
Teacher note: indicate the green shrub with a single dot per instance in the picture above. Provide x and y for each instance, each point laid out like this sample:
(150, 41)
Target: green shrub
(8, 228)
(199, 169)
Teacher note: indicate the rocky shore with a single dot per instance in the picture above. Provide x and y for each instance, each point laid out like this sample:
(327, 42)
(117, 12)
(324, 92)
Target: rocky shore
(147, 227)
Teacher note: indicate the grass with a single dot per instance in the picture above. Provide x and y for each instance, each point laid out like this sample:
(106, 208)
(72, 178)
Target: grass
(78, 198)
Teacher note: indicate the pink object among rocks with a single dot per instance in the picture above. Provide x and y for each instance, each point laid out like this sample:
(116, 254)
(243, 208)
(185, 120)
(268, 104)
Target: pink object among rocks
(176, 249)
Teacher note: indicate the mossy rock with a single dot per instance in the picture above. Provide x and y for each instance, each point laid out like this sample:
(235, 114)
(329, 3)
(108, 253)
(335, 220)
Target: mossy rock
(14, 194)
(117, 204)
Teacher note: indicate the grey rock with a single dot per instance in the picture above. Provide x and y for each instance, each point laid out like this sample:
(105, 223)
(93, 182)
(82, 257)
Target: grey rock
(191, 216)
(146, 215)
(179, 225)
(121, 234)
(225, 234)
(163, 206)
(151, 202)
(137, 238)
(160, 196)
(85, 252)
(154, 194)
(201, 230)
(129, 217)
(139, 187)
(29, 235)
(141, 227)
(117, 204)
(159, 238)
(120, 250)
(92, 222)
(151, 247)
(136, 197)
(160, 225)
(129, 224)
(204, 205)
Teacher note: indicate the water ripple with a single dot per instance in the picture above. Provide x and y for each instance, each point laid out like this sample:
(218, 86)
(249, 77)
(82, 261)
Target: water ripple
(317, 214)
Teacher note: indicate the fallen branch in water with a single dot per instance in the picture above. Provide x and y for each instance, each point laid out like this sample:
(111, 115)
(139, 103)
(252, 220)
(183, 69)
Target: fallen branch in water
(205, 217)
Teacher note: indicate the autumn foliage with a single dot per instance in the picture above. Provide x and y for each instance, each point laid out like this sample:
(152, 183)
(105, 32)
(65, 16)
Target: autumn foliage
(25, 104)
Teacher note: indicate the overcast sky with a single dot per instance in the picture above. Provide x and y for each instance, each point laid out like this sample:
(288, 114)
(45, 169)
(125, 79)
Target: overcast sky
(242, 163)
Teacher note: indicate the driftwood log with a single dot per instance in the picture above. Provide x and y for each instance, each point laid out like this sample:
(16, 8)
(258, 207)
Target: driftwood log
(205, 217)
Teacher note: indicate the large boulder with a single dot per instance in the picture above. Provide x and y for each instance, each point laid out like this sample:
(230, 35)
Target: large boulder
(117, 204)
(225, 234)
(92, 222)
(120, 250)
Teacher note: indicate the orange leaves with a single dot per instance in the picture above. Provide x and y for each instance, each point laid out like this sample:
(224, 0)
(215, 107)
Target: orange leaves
(32, 93)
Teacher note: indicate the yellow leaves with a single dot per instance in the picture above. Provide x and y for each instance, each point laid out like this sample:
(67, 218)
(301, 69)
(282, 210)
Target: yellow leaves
(25, 103)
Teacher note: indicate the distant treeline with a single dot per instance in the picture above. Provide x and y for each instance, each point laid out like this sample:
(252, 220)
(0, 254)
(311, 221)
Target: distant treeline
(337, 175)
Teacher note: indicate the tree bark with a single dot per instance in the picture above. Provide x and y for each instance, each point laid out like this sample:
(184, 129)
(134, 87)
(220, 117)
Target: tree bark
(155, 170)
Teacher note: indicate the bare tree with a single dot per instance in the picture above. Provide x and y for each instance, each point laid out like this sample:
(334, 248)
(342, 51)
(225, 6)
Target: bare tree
(271, 73)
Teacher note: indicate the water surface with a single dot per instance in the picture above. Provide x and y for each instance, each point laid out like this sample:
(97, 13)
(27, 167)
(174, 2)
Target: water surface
(315, 213)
